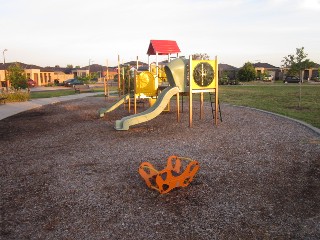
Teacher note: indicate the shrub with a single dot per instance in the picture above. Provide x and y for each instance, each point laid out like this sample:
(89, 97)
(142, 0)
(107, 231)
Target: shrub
(50, 84)
(16, 95)
(247, 73)
(17, 77)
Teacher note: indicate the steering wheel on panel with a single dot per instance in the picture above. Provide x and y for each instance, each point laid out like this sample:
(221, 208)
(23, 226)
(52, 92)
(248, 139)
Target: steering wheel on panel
(203, 74)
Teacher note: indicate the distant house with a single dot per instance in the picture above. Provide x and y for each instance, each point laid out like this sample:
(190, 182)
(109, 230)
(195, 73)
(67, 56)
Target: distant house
(135, 63)
(42, 76)
(229, 70)
(80, 72)
(262, 68)
(111, 73)
(312, 73)
(307, 74)
(61, 74)
(2, 76)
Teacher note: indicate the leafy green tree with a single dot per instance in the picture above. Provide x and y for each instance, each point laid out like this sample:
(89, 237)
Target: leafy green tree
(297, 63)
(87, 79)
(69, 66)
(115, 78)
(17, 77)
(125, 77)
(247, 73)
(200, 56)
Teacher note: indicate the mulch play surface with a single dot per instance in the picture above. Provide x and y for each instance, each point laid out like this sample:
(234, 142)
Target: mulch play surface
(67, 174)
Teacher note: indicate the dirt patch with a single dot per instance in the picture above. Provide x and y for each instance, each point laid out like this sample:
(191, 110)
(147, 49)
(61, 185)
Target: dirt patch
(67, 174)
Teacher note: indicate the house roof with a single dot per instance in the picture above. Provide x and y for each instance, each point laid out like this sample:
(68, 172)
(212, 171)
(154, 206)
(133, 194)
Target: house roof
(22, 65)
(95, 68)
(227, 67)
(134, 63)
(163, 47)
(263, 65)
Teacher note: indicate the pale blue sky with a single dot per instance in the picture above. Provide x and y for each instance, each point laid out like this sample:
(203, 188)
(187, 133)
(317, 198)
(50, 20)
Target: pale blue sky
(61, 32)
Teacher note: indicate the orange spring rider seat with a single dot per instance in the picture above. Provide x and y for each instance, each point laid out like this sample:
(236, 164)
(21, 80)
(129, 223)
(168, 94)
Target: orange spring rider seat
(171, 177)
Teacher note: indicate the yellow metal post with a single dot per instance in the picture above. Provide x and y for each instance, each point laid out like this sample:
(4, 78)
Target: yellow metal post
(129, 92)
(134, 92)
(178, 108)
(119, 93)
(190, 90)
(123, 82)
(201, 105)
(216, 93)
(105, 83)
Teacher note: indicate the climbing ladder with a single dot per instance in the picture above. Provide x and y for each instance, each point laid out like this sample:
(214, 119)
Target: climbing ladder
(212, 102)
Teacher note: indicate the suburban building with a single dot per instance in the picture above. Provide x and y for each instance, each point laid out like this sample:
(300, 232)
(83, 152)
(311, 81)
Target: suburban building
(230, 71)
(312, 73)
(50, 75)
(42, 76)
(307, 74)
(266, 68)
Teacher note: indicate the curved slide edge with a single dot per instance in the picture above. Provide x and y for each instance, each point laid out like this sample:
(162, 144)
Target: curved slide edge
(162, 101)
(103, 111)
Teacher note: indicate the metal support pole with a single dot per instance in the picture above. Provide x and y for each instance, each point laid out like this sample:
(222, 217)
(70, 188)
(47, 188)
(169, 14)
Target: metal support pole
(216, 112)
(178, 108)
(119, 93)
(105, 83)
(190, 91)
(201, 105)
(134, 92)
(129, 91)
(5, 71)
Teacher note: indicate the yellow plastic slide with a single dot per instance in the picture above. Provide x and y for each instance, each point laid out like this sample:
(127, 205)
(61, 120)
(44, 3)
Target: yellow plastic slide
(103, 111)
(162, 101)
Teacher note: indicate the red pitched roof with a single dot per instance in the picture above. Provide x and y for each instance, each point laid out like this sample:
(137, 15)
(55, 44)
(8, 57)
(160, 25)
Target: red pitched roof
(162, 47)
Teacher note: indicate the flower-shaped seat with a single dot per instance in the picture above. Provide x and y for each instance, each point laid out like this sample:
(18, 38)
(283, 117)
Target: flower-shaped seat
(171, 177)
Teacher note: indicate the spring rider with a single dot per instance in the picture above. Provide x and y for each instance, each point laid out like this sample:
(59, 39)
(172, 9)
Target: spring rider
(171, 177)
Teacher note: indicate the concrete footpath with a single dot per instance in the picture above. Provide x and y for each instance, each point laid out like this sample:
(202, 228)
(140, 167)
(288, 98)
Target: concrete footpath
(9, 109)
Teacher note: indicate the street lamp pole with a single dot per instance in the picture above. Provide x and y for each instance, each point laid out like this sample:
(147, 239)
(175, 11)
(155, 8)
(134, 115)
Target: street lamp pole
(89, 68)
(5, 72)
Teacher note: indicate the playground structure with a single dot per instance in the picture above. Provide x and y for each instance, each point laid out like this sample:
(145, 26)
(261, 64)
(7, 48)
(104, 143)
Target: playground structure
(145, 88)
(182, 76)
(172, 176)
(146, 83)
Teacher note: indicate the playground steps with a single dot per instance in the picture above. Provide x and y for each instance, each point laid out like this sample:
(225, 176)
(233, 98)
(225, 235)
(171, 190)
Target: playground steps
(212, 96)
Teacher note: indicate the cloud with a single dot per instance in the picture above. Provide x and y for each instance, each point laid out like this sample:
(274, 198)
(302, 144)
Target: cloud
(303, 5)
(76, 30)
(313, 5)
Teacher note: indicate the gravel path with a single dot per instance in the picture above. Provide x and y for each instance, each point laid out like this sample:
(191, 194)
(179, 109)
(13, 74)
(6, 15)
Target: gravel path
(66, 174)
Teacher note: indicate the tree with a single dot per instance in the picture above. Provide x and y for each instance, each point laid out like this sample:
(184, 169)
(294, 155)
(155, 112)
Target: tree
(297, 63)
(247, 73)
(200, 56)
(69, 66)
(17, 76)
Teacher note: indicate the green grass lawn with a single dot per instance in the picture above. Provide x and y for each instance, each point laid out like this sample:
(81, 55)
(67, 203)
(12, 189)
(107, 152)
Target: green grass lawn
(278, 98)
(281, 99)
(49, 94)
(63, 92)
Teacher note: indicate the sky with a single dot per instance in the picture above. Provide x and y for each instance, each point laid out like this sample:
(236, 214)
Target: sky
(64, 32)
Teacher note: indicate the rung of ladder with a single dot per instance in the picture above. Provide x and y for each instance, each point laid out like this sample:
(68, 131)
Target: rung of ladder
(212, 102)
